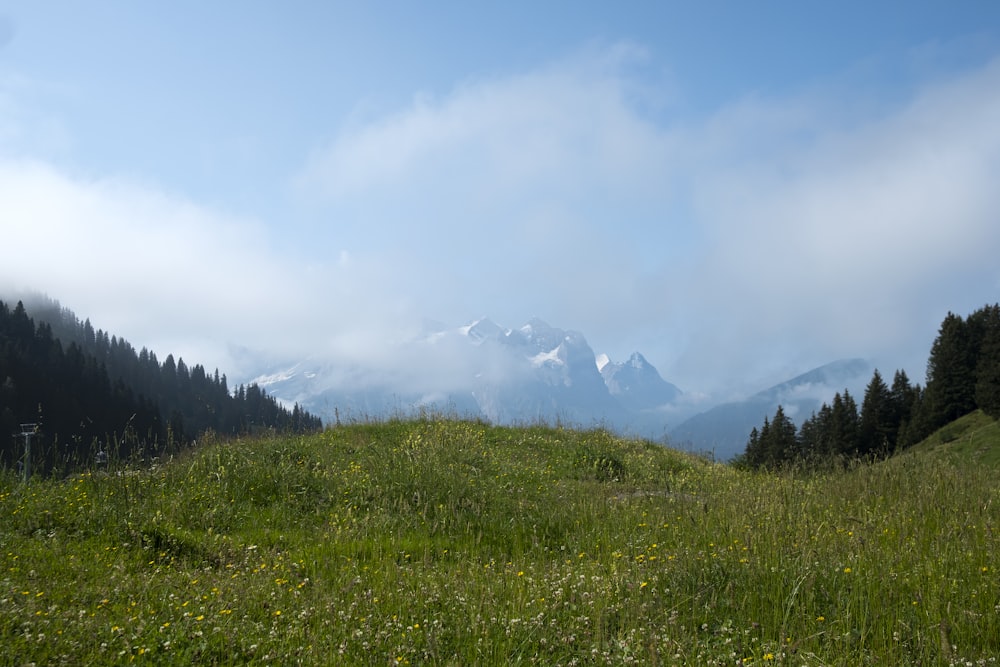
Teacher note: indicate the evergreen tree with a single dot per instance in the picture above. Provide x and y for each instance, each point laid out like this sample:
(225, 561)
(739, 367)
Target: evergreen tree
(774, 445)
(903, 398)
(812, 441)
(753, 456)
(842, 431)
(877, 425)
(762, 449)
(92, 388)
(781, 445)
(987, 392)
(950, 391)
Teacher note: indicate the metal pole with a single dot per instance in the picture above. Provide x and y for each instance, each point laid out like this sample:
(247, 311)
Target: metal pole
(27, 430)
(27, 456)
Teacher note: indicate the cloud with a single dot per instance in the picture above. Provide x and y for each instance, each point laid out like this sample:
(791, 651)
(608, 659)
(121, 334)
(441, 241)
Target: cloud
(860, 239)
(538, 192)
(177, 277)
(775, 234)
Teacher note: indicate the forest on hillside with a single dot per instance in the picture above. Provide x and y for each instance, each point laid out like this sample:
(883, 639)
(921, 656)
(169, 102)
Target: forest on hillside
(963, 375)
(87, 392)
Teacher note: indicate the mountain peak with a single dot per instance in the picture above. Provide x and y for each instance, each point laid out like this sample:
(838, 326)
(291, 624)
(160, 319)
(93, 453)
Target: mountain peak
(834, 374)
(637, 384)
(602, 361)
(638, 361)
(482, 329)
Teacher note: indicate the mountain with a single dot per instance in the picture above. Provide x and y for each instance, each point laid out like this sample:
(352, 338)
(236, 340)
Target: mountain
(536, 372)
(555, 379)
(539, 372)
(637, 384)
(724, 429)
(87, 390)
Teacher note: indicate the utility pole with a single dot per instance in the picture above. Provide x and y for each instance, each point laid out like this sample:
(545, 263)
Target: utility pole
(27, 431)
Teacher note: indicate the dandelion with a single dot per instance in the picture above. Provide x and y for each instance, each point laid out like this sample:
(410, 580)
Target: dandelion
(847, 570)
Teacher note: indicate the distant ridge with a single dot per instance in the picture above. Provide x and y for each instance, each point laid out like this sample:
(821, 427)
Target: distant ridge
(724, 429)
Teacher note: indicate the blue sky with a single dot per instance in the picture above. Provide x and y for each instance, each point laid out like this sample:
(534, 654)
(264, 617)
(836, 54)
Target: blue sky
(739, 190)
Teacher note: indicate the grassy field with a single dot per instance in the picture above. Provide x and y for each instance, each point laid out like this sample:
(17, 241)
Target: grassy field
(454, 543)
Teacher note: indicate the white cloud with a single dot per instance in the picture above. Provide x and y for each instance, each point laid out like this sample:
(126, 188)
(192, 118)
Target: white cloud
(777, 233)
(168, 274)
(538, 193)
(796, 228)
(851, 240)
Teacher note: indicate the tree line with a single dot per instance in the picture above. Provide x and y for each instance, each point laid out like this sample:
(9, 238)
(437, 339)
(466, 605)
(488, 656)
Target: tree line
(963, 375)
(91, 392)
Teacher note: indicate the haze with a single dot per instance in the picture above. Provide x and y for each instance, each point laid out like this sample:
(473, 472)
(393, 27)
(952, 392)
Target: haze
(741, 191)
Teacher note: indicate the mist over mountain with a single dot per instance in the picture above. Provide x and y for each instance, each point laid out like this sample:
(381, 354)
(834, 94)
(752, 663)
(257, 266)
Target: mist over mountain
(637, 384)
(536, 372)
(539, 372)
(724, 429)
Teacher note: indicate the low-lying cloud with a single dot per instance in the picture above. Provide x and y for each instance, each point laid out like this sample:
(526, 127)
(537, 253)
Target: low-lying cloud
(776, 234)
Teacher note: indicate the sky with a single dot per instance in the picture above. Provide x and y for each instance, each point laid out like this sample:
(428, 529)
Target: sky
(740, 191)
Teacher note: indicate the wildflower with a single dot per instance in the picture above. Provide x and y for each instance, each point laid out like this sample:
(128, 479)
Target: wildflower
(847, 570)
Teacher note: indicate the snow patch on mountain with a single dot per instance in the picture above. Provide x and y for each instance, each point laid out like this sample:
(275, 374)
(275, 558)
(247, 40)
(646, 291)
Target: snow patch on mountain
(602, 361)
(536, 372)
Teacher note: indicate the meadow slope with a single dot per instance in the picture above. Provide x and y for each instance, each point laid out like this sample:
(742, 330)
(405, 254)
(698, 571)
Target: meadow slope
(455, 543)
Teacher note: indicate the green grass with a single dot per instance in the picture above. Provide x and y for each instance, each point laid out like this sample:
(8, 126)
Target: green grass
(972, 439)
(456, 543)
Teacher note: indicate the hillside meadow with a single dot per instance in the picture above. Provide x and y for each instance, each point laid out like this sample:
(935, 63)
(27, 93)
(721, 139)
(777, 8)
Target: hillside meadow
(444, 542)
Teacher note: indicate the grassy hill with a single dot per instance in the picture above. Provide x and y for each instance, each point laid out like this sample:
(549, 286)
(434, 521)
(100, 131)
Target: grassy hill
(455, 543)
(973, 439)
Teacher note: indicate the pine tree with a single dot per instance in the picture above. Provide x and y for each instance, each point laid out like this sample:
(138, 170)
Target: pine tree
(752, 456)
(762, 440)
(876, 428)
(988, 364)
(843, 427)
(950, 391)
(903, 398)
(781, 445)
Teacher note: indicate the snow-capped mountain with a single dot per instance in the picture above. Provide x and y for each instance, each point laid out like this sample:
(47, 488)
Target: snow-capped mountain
(556, 378)
(636, 383)
(541, 373)
(533, 373)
